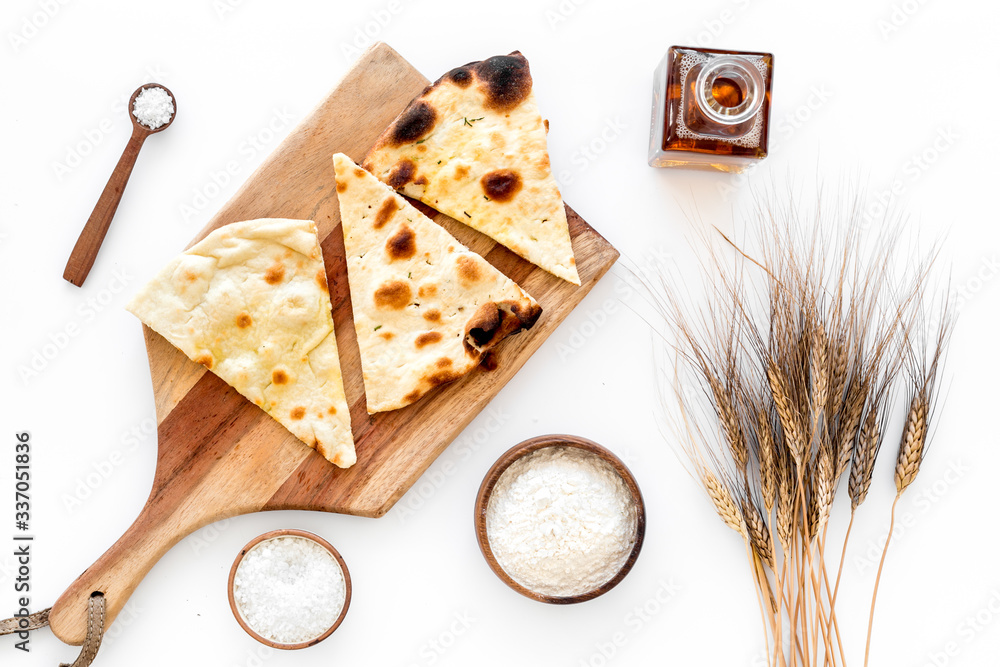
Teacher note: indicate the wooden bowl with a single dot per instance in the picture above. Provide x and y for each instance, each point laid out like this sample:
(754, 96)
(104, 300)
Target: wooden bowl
(290, 532)
(528, 447)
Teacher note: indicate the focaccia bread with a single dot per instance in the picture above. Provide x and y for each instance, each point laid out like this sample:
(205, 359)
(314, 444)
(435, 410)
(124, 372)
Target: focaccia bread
(472, 146)
(250, 302)
(425, 307)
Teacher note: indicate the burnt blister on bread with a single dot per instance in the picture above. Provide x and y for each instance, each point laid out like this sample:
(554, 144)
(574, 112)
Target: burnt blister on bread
(460, 76)
(393, 295)
(385, 212)
(501, 184)
(493, 321)
(413, 124)
(482, 327)
(427, 338)
(506, 80)
(402, 244)
(401, 174)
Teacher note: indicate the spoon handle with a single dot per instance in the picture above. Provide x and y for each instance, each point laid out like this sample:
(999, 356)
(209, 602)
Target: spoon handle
(85, 251)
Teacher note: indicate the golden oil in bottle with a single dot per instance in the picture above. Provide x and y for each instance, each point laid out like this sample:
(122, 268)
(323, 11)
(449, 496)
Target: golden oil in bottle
(711, 109)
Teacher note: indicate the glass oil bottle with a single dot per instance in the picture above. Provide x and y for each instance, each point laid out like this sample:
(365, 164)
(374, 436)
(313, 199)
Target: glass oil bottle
(711, 109)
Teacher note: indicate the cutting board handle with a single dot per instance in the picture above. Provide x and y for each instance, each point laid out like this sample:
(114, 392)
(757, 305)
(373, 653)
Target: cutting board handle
(117, 573)
(202, 475)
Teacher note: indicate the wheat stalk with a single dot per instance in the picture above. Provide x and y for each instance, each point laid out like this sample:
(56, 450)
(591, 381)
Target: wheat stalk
(785, 512)
(849, 424)
(760, 538)
(923, 366)
(724, 503)
(788, 416)
(865, 453)
(796, 354)
(911, 447)
(767, 459)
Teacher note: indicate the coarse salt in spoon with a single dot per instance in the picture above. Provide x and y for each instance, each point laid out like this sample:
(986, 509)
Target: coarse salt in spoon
(152, 109)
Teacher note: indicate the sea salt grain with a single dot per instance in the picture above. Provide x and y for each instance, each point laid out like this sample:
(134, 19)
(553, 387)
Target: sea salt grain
(153, 107)
(289, 589)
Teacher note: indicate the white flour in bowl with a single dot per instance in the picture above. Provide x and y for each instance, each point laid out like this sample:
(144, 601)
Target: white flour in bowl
(561, 521)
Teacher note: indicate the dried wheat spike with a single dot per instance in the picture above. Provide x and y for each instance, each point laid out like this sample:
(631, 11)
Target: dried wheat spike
(865, 452)
(849, 424)
(760, 539)
(766, 457)
(923, 371)
(819, 372)
(839, 373)
(785, 512)
(911, 446)
(723, 501)
(794, 436)
(824, 484)
(726, 412)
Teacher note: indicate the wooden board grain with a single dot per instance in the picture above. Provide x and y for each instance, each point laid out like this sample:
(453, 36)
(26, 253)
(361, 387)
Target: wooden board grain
(221, 456)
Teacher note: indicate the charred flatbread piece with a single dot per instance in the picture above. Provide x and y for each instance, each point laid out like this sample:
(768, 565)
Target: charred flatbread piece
(250, 302)
(426, 308)
(472, 146)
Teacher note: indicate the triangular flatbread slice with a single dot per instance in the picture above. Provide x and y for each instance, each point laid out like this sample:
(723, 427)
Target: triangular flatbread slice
(250, 302)
(472, 146)
(426, 308)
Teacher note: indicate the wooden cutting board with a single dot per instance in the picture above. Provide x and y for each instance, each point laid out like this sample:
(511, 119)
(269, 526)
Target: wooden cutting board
(221, 456)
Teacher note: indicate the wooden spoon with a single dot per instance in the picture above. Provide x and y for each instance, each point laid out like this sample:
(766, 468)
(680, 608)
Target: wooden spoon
(85, 251)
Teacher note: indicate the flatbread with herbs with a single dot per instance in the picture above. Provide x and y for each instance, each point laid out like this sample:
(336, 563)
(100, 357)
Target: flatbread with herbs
(250, 302)
(472, 146)
(426, 308)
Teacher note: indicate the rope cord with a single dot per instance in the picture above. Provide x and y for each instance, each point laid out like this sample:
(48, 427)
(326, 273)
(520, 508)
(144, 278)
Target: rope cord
(40, 619)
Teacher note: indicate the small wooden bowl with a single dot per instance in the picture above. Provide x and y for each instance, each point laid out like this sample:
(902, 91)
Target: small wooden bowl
(290, 532)
(528, 447)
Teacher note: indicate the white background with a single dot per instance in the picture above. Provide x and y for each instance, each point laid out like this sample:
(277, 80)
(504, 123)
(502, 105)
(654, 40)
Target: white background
(861, 90)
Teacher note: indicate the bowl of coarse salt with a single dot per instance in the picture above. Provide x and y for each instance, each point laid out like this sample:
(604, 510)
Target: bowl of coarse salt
(560, 519)
(289, 589)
